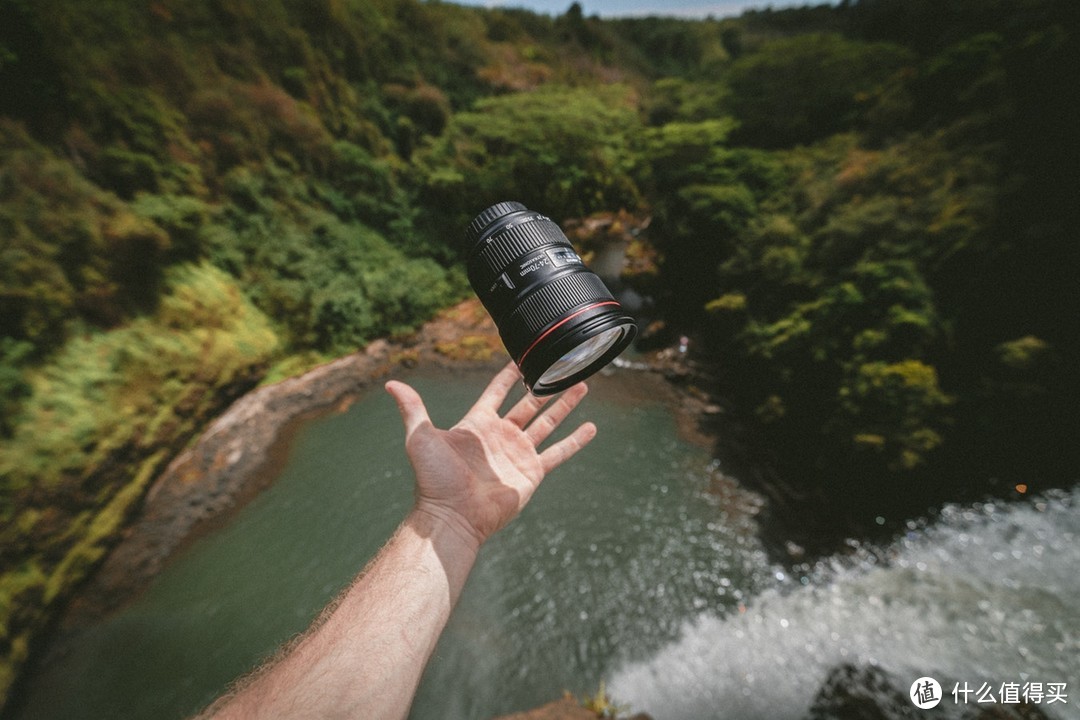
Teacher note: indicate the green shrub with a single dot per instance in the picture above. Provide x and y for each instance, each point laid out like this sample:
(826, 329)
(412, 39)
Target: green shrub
(103, 388)
(332, 285)
(566, 152)
(72, 251)
(13, 385)
(104, 416)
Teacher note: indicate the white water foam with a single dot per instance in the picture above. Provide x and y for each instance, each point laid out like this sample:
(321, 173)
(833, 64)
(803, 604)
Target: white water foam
(983, 594)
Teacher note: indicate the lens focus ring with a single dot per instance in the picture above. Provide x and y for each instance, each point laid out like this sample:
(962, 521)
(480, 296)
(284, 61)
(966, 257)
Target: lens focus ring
(554, 300)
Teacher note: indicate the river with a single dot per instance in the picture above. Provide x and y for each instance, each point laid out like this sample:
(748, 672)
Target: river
(627, 567)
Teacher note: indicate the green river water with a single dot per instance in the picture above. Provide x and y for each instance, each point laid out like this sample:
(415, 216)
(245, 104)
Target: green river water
(615, 552)
(624, 568)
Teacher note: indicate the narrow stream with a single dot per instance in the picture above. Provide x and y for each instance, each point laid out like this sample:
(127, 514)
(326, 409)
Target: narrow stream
(624, 568)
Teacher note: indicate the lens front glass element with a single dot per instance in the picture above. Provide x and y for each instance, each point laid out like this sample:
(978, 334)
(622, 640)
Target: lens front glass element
(580, 357)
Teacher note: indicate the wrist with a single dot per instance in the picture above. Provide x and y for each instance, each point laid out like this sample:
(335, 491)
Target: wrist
(446, 529)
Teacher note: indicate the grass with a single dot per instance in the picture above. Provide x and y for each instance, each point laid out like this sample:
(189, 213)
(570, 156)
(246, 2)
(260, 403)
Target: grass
(106, 414)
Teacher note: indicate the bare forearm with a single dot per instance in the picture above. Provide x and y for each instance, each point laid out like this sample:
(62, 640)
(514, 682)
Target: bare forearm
(366, 657)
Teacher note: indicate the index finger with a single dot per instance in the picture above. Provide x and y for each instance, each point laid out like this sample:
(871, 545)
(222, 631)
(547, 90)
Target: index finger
(495, 393)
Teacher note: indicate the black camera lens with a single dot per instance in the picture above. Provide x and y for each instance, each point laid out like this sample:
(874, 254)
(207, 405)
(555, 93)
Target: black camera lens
(557, 319)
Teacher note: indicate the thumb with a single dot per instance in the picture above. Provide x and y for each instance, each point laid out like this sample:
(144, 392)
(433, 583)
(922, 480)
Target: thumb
(411, 406)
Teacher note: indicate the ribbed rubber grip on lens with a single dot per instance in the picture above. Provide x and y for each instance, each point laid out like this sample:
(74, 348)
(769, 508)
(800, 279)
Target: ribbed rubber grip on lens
(493, 213)
(552, 301)
(517, 241)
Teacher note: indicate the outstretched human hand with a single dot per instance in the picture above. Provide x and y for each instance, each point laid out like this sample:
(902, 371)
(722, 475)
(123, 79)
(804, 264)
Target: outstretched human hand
(479, 474)
(365, 655)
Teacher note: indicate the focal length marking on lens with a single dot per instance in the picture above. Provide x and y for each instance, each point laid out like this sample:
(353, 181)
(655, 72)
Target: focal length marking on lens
(506, 245)
(557, 258)
(534, 264)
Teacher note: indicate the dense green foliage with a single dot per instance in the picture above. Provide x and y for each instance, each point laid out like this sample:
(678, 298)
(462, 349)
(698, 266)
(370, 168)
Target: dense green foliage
(865, 215)
(874, 232)
(103, 417)
(569, 151)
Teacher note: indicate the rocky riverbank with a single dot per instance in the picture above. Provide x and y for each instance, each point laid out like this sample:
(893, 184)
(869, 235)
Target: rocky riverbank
(239, 453)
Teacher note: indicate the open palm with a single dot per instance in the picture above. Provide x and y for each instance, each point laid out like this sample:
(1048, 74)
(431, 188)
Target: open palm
(481, 472)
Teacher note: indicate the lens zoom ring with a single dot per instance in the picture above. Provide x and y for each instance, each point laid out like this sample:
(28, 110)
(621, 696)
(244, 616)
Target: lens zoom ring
(551, 301)
(515, 242)
(493, 213)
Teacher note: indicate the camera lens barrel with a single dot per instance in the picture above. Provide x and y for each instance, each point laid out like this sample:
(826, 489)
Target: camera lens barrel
(557, 319)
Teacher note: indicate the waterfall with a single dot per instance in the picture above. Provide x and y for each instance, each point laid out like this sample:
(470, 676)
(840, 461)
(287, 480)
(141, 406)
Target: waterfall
(982, 599)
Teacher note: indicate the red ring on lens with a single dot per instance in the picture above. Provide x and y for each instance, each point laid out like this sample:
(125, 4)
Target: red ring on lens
(559, 324)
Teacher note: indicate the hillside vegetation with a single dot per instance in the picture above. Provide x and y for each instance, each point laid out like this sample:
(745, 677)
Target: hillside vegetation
(865, 216)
